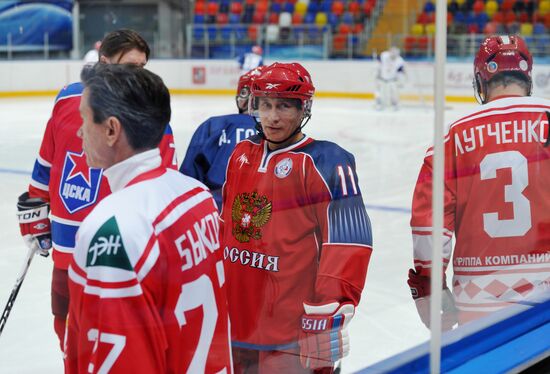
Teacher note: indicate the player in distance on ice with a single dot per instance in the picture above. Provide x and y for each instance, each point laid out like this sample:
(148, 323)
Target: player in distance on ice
(62, 179)
(251, 60)
(497, 202)
(389, 78)
(214, 140)
(147, 277)
(296, 236)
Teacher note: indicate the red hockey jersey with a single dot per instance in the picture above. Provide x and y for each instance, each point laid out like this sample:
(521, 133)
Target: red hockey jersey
(295, 229)
(497, 204)
(146, 283)
(62, 176)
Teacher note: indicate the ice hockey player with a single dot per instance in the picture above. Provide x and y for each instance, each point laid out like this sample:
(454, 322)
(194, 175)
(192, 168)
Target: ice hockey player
(214, 140)
(497, 205)
(147, 278)
(391, 74)
(296, 235)
(62, 179)
(251, 60)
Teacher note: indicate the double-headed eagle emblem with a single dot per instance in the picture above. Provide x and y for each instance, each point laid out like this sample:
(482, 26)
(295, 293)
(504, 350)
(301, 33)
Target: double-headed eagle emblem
(250, 212)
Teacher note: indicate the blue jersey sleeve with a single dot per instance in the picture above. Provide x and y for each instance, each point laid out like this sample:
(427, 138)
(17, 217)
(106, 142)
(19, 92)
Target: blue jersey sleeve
(348, 221)
(195, 163)
(211, 146)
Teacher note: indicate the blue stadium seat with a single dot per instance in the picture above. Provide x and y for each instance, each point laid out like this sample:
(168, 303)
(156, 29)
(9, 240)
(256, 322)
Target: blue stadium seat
(212, 32)
(539, 29)
(276, 8)
(429, 7)
(224, 6)
(313, 7)
(198, 19)
(288, 7)
(326, 6)
(347, 17)
(481, 20)
(333, 20)
(309, 18)
(226, 31)
(459, 18)
(234, 18)
(240, 33)
(297, 32)
(198, 32)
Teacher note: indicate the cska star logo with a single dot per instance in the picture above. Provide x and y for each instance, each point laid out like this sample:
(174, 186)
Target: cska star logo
(79, 185)
(250, 212)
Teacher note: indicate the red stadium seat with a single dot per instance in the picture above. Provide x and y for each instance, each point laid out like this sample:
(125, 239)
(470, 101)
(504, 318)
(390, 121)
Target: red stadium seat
(339, 42)
(422, 43)
(510, 17)
(473, 28)
(344, 28)
(253, 32)
(507, 5)
(367, 8)
(236, 7)
(425, 18)
(297, 19)
(478, 7)
(422, 18)
(498, 17)
(357, 28)
(258, 17)
(338, 7)
(524, 17)
(200, 7)
(212, 8)
(261, 7)
(222, 18)
(410, 44)
(354, 7)
(273, 19)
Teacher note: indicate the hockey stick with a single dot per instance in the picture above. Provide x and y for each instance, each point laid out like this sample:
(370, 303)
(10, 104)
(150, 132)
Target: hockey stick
(548, 136)
(15, 290)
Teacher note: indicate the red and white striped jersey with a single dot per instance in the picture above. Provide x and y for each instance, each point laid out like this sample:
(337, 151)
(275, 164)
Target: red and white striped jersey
(497, 205)
(147, 280)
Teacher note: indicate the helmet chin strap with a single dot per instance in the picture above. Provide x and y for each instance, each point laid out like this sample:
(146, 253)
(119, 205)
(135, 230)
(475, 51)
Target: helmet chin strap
(296, 131)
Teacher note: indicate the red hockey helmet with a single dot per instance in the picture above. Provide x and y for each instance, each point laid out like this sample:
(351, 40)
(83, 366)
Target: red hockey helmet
(284, 80)
(499, 54)
(243, 88)
(246, 79)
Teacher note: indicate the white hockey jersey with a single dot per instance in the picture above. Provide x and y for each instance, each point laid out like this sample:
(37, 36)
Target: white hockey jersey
(147, 277)
(390, 68)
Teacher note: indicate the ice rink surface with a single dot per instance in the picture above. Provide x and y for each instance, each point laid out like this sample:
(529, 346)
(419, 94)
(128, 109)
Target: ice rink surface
(389, 147)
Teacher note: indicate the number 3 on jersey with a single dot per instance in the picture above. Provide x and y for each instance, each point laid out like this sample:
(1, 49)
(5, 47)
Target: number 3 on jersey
(513, 193)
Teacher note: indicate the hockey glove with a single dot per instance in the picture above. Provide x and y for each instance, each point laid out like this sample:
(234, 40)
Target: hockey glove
(420, 290)
(324, 337)
(34, 223)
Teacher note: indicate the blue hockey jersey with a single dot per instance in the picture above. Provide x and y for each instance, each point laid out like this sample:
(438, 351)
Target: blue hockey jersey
(210, 147)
